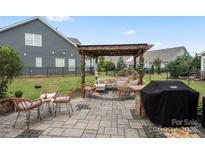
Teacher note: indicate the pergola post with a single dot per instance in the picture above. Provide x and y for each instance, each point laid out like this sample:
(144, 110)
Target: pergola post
(135, 58)
(82, 62)
(141, 67)
(134, 67)
(96, 71)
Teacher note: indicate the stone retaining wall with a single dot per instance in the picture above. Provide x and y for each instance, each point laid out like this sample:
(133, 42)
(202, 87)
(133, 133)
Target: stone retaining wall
(6, 105)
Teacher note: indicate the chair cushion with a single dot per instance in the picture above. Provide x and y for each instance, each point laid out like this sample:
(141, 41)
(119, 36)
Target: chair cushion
(43, 96)
(50, 95)
(123, 79)
(112, 80)
(62, 99)
(121, 83)
(28, 105)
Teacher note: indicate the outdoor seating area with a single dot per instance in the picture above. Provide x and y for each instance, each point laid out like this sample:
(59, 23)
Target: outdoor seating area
(49, 97)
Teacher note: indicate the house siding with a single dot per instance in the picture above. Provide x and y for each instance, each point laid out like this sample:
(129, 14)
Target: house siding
(51, 41)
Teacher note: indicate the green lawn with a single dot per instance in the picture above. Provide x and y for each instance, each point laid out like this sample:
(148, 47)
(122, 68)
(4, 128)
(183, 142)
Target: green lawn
(65, 83)
(27, 84)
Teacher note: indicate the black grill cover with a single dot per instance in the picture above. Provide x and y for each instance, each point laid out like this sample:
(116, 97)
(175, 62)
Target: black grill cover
(170, 103)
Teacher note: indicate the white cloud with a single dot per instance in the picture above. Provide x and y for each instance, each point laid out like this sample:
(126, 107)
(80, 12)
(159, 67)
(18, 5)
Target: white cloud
(130, 32)
(60, 18)
(158, 43)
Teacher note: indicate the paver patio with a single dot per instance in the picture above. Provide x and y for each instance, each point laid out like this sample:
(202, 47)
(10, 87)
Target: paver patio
(96, 118)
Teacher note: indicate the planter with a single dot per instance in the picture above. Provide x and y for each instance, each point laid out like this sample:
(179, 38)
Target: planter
(6, 105)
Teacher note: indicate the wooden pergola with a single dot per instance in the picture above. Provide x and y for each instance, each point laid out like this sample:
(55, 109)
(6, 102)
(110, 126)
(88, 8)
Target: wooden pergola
(94, 51)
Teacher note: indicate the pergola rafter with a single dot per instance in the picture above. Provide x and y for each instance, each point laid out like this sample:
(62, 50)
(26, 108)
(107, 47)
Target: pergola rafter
(95, 51)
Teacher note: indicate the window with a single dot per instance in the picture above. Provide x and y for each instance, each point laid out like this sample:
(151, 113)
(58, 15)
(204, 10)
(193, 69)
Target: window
(87, 64)
(92, 62)
(33, 40)
(71, 64)
(38, 62)
(60, 62)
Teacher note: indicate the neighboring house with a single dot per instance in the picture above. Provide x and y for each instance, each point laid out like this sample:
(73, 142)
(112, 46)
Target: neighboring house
(202, 55)
(41, 45)
(165, 55)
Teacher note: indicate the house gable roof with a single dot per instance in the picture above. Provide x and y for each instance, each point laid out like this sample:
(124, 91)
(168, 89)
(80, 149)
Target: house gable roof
(75, 40)
(165, 55)
(44, 22)
(201, 54)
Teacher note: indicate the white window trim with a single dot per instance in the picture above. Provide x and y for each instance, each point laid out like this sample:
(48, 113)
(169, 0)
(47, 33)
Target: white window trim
(71, 67)
(57, 65)
(37, 65)
(33, 38)
(87, 64)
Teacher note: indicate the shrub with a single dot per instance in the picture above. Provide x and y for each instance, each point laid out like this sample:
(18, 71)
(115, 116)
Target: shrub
(10, 67)
(18, 94)
(37, 85)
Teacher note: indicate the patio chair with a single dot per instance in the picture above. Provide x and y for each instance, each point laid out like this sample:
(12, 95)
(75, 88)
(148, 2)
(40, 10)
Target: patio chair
(47, 94)
(100, 85)
(89, 89)
(63, 98)
(26, 105)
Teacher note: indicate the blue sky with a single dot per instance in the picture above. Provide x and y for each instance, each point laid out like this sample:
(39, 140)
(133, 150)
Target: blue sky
(162, 31)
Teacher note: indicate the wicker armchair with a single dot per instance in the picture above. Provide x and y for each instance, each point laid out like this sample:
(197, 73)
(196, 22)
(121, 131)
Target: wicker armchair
(50, 89)
(64, 98)
(26, 105)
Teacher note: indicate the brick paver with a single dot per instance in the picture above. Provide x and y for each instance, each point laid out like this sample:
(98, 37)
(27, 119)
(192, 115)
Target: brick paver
(112, 131)
(56, 132)
(101, 119)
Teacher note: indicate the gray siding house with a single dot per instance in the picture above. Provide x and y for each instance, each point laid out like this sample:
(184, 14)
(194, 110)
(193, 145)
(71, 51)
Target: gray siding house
(41, 45)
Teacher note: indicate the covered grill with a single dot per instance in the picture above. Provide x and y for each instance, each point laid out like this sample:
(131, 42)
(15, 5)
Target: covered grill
(170, 103)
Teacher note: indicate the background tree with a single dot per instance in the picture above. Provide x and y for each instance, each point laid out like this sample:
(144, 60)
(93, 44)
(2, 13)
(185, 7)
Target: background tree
(10, 67)
(109, 65)
(196, 63)
(120, 64)
(157, 64)
(181, 66)
(152, 70)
